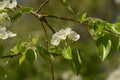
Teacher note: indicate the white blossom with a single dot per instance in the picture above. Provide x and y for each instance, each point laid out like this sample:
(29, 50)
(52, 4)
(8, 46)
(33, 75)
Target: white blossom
(11, 3)
(3, 4)
(73, 36)
(55, 39)
(8, 4)
(63, 34)
(68, 30)
(10, 34)
(4, 19)
(5, 34)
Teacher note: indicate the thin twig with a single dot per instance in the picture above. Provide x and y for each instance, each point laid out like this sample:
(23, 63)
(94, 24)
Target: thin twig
(62, 18)
(10, 56)
(46, 22)
(41, 6)
(46, 38)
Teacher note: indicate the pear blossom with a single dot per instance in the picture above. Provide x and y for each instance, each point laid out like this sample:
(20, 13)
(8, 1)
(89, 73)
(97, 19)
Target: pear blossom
(73, 36)
(8, 4)
(55, 39)
(5, 34)
(3, 4)
(4, 19)
(63, 34)
(11, 3)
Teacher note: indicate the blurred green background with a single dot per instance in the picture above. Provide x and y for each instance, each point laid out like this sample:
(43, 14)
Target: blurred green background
(27, 26)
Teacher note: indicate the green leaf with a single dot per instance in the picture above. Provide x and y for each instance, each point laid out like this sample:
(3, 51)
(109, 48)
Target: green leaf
(15, 16)
(35, 40)
(1, 50)
(14, 49)
(18, 47)
(81, 16)
(31, 55)
(53, 49)
(76, 62)
(103, 46)
(67, 53)
(4, 10)
(64, 2)
(115, 28)
(44, 54)
(26, 9)
(22, 58)
(78, 55)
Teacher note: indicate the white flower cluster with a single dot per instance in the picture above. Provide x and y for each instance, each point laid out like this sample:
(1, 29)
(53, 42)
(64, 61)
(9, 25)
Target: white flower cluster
(63, 34)
(8, 4)
(5, 34)
(5, 19)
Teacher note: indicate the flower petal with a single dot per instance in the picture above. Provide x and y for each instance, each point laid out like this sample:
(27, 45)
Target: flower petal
(10, 34)
(55, 41)
(74, 36)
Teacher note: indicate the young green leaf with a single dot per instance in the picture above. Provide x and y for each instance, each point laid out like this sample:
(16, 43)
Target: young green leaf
(81, 16)
(22, 58)
(76, 62)
(15, 50)
(4, 10)
(31, 55)
(15, 16)
(103, 46)
(64, 2)
(53, 49)
(18, 47)
(67, 53)
(1, 50)
(26, 9)
(35, 40)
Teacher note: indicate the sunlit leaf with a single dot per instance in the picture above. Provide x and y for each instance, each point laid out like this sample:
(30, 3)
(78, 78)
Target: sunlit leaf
(1, 50)
(18, 47)
(103, 46)
(31, 55)
(35, 39)
(81, 16)
(4, 10)
(22, 58)
(76, 62)
(53, 49)
(67, 53)
(26, 9)
(65, 3)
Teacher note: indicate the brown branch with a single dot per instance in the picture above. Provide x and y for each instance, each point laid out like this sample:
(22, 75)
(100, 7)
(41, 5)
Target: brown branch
(62, 18)
(10, 56)
(46, 22)
(41, 6)
(46, 38)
